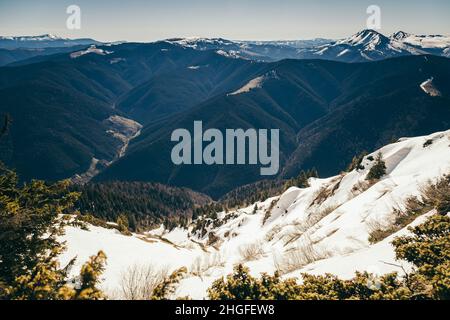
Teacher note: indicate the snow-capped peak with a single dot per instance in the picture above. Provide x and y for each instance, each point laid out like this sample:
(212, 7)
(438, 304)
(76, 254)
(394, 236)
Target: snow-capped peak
(366, 38)
(400, 35)
(201, 43)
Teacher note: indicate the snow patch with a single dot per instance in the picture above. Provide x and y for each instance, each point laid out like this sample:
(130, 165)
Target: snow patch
(343, 52)
(123, 129)
(91, 49)
(429, 88)
(116, 60)
(255, 83)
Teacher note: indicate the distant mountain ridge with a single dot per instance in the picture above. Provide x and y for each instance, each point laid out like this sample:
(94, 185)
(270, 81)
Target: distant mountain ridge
(366, 45)
(21, 48)
(42, 41)
(370, 45)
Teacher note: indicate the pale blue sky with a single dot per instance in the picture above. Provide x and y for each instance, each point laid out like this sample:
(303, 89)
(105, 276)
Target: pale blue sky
(139, 20)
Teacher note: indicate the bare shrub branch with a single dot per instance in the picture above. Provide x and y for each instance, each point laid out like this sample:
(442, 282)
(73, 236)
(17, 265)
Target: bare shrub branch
(139, 281)
(252, 251)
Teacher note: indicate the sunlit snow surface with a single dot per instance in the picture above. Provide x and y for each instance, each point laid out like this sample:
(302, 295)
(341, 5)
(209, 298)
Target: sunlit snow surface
(335, 227)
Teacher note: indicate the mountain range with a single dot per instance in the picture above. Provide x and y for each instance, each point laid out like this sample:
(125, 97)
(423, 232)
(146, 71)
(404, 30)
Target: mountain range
(14, 49)
(366, 45)
(326, 112)
(107, 110)
(42, 41)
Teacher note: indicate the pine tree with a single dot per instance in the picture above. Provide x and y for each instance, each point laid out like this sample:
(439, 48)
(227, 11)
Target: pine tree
(90, 277)
(122, 224)
(378, 170)
(30, 222)
(5, 126)
(356, 162)
(32, 217)
(240, 285)
(428, 249)
(167, 287)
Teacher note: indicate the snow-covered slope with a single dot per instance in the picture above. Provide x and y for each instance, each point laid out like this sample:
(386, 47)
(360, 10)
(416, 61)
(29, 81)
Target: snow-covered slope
(323, 228)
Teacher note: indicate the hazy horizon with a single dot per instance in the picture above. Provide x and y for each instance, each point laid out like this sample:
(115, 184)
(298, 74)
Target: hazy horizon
(202, 37)
(252, 20)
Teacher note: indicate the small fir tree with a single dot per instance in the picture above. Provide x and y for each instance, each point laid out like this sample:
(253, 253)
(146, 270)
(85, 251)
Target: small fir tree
(378, 170)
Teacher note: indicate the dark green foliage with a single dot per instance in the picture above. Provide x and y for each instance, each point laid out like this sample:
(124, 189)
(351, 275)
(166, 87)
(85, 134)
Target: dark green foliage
(437, 196)
(81, 221)
(140, 205)
(434, 196)
(209, 210)
(29, 221)
(428, 143)
(90, 277)
(378, 170)
(167, 287)
(122, 224)
(242, 286)
(255, 192)
(428, 250)
(262, 190)
(203, 222)
(32, 217)
(205, 216)
(356, 162)
(301, 181)
(4, 127)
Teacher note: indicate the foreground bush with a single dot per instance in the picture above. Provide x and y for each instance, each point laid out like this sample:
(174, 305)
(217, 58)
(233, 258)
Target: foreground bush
(434, 196)
(428, 249)
(31, 220)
